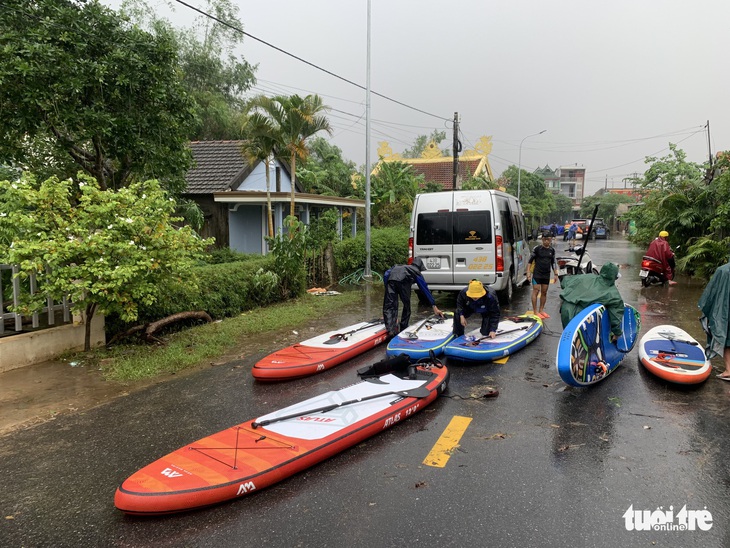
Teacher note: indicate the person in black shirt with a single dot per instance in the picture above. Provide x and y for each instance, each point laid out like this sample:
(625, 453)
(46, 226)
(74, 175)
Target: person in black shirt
(541, 261)
(476, 298)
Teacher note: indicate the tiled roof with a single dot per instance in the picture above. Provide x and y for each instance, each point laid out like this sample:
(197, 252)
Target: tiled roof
(219, 166)
(442, 171)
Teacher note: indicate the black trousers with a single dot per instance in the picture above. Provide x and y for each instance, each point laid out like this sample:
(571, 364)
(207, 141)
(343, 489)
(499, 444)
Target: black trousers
(393, 291)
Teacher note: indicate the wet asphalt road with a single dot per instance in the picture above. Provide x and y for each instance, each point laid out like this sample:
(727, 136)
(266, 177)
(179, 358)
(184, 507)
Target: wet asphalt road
(540, 465)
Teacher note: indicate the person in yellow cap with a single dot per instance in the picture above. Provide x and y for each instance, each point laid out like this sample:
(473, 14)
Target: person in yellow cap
(475, 298)
(662, 251)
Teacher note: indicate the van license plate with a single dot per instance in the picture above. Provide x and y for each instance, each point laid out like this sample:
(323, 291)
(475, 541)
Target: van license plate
(433, 263)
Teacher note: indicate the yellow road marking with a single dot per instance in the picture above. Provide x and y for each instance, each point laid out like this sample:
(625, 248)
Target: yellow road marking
(501, 360)
(447, 443)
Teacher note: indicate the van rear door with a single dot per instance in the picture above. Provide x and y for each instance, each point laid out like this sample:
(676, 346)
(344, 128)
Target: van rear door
(432, 237)
(474, 256)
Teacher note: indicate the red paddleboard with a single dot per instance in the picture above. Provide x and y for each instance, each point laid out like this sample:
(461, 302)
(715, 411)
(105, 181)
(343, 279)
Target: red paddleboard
(320, 353)
(253, 455)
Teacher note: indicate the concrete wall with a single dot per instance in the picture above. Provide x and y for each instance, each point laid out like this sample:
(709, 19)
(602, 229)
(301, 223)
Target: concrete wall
(47, 344)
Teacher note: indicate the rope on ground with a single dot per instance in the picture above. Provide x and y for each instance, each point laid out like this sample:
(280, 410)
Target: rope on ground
(358, 278)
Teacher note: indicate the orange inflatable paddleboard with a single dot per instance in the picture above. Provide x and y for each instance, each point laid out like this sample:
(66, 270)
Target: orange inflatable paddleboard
(320, 353)
(250, 456)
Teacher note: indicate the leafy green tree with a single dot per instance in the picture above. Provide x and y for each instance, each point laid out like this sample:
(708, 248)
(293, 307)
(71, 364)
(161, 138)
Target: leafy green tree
(78, 82)
(676, 199)
(106, 250)
(480, 182)
(393, 189)
(261, 142)
(670, 172)
(212, 74)
(696, 212)
(422, 141)
(296, 120)
(326, 172)
(609, 203)
(536, 201)
(289, 257)
(432, 186)
(562, 208)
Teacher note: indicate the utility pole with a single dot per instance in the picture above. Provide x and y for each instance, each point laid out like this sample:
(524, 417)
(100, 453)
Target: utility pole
(605, 185)
(367, 274)
(709, 145)
(710, 174)
(457, 148)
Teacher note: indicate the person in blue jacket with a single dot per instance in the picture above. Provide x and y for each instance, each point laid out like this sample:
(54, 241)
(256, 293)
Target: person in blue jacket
(475, 298)
(398, 282)
(572, 231)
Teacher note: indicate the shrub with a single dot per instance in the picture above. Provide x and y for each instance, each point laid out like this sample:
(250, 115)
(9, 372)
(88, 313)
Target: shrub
(225, 290)
(388, 246)
(227, 255)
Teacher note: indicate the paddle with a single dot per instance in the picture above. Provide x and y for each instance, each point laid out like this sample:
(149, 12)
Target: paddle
(586, 238)
(420, 392)
(337, 337)
(414, 334)
(476, 342)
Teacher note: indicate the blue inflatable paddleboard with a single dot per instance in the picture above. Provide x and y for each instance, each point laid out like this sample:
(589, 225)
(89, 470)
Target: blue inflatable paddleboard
(585, 353)
(512, 334)
(431, 334)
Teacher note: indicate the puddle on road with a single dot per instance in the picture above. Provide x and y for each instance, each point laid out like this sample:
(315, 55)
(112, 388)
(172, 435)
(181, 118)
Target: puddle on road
(40, 392)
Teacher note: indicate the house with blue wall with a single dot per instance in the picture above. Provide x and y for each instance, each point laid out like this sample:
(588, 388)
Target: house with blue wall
(232, 195)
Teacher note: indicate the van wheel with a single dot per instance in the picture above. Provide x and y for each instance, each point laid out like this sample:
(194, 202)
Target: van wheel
(505, 296)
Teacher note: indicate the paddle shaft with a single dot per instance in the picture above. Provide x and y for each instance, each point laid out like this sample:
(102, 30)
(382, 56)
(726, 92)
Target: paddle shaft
(412, 334)
(420, 392)
(498, 333)
(339, 336)
(585, 240)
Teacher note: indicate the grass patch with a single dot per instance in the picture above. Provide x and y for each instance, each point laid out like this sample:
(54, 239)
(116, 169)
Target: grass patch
(198, 345)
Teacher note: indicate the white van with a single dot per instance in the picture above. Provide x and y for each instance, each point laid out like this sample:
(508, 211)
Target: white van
(470, 234)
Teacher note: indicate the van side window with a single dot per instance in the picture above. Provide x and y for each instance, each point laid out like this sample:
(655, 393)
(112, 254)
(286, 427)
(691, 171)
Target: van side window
(434, 228)
(472, 227)
(507, 228)
(519, 227)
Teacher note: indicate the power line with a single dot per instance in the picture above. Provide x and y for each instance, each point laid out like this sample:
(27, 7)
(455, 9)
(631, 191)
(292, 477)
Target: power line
(233, 27)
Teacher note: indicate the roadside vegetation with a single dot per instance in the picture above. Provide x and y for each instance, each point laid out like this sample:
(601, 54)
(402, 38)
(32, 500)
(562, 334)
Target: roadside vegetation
(259, 330)
(692, 203)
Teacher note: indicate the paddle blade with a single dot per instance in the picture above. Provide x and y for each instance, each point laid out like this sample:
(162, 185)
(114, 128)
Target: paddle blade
(334, 339)
(420, 392)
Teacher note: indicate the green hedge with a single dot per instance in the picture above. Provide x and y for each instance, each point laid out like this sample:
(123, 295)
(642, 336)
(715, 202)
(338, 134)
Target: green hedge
(224, 290)
(388, 247)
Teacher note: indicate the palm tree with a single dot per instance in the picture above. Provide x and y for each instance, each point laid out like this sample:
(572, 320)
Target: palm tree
(262, 140)
(297, 119)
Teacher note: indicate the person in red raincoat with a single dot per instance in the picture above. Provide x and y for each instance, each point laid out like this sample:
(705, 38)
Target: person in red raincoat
(662, 251)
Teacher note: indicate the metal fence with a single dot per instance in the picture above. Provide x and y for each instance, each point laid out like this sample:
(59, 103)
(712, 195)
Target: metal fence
(13, 291)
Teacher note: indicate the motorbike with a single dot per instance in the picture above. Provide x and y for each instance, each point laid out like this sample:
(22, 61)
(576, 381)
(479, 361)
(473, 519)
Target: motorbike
(652, 272)
(568, 264)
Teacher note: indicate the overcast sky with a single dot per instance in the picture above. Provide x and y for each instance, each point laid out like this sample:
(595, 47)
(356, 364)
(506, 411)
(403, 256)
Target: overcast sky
(611, 81)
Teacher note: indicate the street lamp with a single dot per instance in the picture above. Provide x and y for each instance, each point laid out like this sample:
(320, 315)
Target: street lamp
(519, 161)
